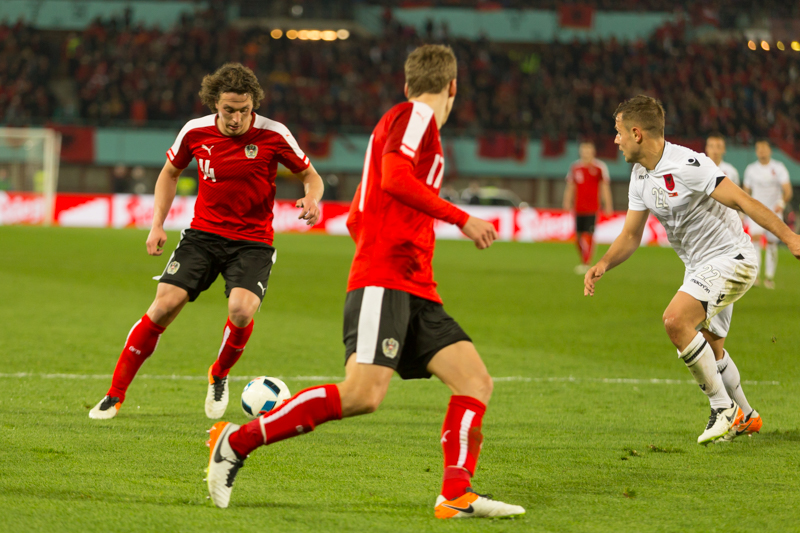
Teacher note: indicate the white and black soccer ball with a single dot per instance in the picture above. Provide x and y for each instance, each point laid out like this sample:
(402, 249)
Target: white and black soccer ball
(262, 395)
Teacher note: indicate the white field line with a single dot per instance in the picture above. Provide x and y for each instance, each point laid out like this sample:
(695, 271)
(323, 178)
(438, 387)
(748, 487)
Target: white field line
(523, 379)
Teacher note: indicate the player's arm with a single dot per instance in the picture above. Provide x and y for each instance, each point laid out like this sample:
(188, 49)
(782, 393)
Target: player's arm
(313, 186)
(621, 249)
(397, 180)
(166, 185)
(787, 194)
(729, 195)
(605, 197)
(569, 195)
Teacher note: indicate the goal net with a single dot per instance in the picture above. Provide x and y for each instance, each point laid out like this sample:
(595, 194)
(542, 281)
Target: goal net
(29, 162)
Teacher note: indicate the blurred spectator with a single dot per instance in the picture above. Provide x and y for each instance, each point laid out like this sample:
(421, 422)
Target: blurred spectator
(129, 75)
(120, 180)
(138, 184)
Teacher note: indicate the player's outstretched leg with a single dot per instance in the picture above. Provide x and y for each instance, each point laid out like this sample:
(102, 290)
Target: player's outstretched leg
(140, 344)
(234, 339)
(459, 366)
(361, 392)
(747, 420)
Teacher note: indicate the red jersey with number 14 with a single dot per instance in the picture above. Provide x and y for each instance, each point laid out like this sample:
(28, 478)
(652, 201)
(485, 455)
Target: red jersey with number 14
(236, 193)
(395, 242)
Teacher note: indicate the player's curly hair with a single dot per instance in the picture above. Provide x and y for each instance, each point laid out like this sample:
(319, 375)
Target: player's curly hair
(643, 111)
(230, 78)
(429, 69)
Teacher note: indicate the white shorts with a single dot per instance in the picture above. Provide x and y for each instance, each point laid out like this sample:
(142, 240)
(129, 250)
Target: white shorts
(718, 283)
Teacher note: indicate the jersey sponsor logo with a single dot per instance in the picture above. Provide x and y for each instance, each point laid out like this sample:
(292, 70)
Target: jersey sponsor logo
(205, 168)
(204, 147)
(669, 181)
(251, 151)
(693, 162)
(390, 348)
(173, 267)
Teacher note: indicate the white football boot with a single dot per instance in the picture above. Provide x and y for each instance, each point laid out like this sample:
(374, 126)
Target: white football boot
(223, 464)
(106, 408)
(719, 423)
(217, 396)
(474, 505)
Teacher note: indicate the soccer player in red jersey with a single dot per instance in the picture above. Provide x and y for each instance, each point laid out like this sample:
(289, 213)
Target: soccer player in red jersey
(237, 155)
(587, 181)
(393, 316)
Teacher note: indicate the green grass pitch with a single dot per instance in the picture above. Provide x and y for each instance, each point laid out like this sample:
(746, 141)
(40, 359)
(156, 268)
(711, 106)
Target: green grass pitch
(576, 432)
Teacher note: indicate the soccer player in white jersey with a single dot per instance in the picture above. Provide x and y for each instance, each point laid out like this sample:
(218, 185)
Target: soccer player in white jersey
(695, 203)
(767, 181)
(715, 149)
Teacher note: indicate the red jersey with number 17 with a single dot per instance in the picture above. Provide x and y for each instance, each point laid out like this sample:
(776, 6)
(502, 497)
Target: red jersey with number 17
(395, 242)
(236, 193)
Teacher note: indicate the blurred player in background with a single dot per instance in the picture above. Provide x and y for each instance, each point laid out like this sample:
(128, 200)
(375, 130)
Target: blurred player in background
(715, 149)
(588, 182)
(768, 182)
(237, 155)
(695, 203)
(393, 316)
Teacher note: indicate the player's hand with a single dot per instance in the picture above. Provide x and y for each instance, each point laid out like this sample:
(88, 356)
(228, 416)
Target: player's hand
(310, 211)
(481, 232)
(591, 277)
(156, 240)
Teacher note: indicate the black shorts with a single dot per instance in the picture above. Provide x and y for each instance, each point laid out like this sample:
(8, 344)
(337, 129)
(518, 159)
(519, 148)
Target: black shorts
(201, 256)
(396, 329)
(585, 223)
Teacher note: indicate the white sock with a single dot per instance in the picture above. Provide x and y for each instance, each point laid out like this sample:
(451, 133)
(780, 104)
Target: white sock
(759, 248)
(733, 385)
(699, 359)
(771, 260)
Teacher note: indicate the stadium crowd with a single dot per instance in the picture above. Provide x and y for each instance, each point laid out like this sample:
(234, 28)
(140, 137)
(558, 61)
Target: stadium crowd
(114, 72)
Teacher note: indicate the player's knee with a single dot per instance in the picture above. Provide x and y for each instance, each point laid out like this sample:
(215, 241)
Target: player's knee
(673, 324)
(241, 313)
(483, 386)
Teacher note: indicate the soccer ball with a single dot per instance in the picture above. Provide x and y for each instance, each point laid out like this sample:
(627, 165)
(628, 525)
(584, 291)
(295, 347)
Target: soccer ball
(262, 395)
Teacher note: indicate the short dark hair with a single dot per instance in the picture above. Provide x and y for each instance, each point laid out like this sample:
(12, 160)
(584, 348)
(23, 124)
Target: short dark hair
(644, 111)
(429, 69)
(763, 140)
(716, 135)
(230, 78)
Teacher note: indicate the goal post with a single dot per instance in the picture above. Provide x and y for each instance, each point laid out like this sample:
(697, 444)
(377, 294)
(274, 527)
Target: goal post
(29, 163)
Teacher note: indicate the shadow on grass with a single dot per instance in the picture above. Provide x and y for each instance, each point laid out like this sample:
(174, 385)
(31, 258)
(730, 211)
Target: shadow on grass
(791, 435)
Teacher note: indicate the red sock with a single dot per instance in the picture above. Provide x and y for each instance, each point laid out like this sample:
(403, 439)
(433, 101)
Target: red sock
(234, 340)
(586, 245)
(140, 344)
(300, 414)
(461, 442)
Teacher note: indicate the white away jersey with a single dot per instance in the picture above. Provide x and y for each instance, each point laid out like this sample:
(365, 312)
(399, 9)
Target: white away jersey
(677, 192)
(730, 171)
(766, 182)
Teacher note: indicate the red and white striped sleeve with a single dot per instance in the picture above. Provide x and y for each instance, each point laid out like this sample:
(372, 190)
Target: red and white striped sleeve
(288, 151)
(603, 170)
(407, 130)
(180, 153)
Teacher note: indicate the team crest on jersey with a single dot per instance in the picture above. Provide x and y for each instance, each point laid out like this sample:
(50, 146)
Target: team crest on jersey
(173, 267)
(251, 151)
(669, 181)
(390, 347)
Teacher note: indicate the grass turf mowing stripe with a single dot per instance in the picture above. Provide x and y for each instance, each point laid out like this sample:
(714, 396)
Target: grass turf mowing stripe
(566, 379)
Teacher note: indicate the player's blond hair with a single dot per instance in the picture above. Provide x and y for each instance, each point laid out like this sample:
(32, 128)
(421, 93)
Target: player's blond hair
(643, 111)
(230, 78)
(429, 69)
